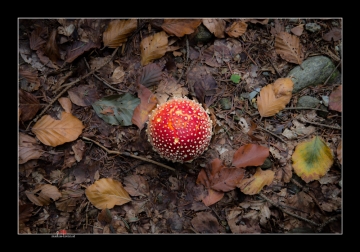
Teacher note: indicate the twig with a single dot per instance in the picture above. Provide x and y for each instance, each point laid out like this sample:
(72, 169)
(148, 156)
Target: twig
(332, 73)
(287, 212)
(101, 79)
(327, 222)
(320, 124)
(299, 108)
(277, 72)
(272, 134)
(68, 86)
(128, 154)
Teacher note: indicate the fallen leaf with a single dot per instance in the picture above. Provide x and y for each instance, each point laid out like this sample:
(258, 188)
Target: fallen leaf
(151, 75)
(105, 216)
(83, 95)
(284, 173)
(79, 149)
(106, 193)
(153, 47)
(77, 48)
(136, 185)
(288, 47)
(236, 29)
(169, 87)
(25, 212)
(28, 78)
(274, 97)
(51, 48)
(28, 148)
(56, 132)
(334, 33)
(28, 105)
(205, 222)
(256, 182)
(121, 108)
(335, 99)
(118, 31)
(298, 30)
(208, 57)
(65, 104)
(180, 27)
(312, 159)
(37, 37)
(227, 179)
(68, 200)
(250, 155)
(148, 102)
(215, 26)
(43, 195)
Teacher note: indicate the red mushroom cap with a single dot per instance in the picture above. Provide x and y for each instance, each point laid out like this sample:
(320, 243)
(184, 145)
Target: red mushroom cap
(179, 130)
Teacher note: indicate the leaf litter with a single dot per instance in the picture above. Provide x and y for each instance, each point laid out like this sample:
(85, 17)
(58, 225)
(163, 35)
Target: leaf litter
(158, 59)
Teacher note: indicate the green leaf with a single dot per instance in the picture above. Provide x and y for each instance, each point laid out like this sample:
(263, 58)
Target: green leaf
(116, 109)
(235, 78)
(312, 159)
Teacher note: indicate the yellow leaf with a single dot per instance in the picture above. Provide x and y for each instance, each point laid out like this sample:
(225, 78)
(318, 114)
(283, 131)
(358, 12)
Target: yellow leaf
(153, 47)
(274, 97)
(41, 196)
(255, 184)
(106, 193)
(118, 31)
(312, 159)
(55, 132)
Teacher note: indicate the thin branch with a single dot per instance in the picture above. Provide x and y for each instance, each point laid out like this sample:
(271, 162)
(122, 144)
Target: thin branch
(128, 154)
(102, 80)
(68, 86)
(299, 108)
(287, 212)
(322, 125)
(272, 134)
(332, 73)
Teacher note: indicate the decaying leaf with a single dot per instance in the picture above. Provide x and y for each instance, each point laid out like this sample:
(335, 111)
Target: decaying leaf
(136, 185)
(312, 159)
(153, 47)
(334, 33)
(298, 30)
(79, 149)
(106, 193)
(77, 48)
(118, 31)
(227, 179)
(205, 222)
(28, 105)
(83, 95)
(68, 200)
(180, 27)
(255, 183)
(28, 148)
(151, 75)
(215, 26)
(169, 87)
(335, 99)
(65, 104)
(42, 195)
(274, 97)
(250, 155)
(56, 132)
(288, 47)
(148, 102)
(116, 109)
(37, 37)
(236, 29)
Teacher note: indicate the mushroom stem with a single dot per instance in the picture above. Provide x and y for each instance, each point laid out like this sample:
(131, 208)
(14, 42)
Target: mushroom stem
(128, 154)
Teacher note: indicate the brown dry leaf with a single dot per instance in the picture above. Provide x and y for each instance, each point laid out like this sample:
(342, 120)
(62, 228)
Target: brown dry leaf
(205, 222)
(68, 200)
(83, 95)
(215, 26)
(339, 152)
(284, 173)
(227, 179)
(255, 183)
(56, 132)
(169, 87)
(250, 155)
(51, 48)
(180, 27)
(25, 212)
(236, 29)
(65, 104)
(37, 37)
(118, 75)
(42, 195)
(274, 97)
(150, 75)
(136, 185)
(208, 57)
(335, 99)
(28, 78)
(105, 216)
(334, 33)
(239, 222)
(298, 30)
(28, 105)
(77, 48)
(28, 148)
(118, 31)
(288, 47)
(79, 149)
(106, 193)
(148, 102)
(153, 47)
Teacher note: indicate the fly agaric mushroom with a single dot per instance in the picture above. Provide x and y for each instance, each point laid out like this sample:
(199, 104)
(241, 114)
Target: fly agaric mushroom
(179, 130)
